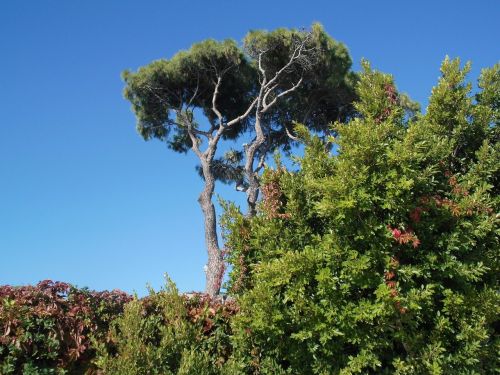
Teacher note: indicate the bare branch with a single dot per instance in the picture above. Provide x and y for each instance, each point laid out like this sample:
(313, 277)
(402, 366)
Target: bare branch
(195, 145)
(201, 132)
(290, 135)
(293, 88)
(162, 126)
(295, 55)
(261, 69)
(158, 97)
(214, 99)
(244, 115)
(189, 127)
(195, 91)
(268, 91)
(215, 139)
(187, 124)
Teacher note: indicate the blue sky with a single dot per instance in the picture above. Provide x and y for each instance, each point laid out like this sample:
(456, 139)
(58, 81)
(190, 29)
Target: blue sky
(83, 198)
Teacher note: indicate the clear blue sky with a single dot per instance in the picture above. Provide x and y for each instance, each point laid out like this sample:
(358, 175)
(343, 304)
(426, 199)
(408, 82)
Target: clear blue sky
(83, 198)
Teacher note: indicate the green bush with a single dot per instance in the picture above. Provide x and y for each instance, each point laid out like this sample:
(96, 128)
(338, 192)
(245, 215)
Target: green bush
(381, 257)
(167, 333)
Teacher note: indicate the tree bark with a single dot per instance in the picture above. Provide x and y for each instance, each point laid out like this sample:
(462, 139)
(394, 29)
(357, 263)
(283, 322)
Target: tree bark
(215, 265)
(250, 173)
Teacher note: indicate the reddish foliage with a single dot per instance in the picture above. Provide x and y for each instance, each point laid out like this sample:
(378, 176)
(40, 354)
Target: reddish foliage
(392, 98)
(389, 277)
(391, 284)
(405, 236)
(244, 235)
(455, 205)
(392, 95)
(55, 319)
(415, 215)
(396, 233)
(401, 309)
(273, 200)
(205, 309)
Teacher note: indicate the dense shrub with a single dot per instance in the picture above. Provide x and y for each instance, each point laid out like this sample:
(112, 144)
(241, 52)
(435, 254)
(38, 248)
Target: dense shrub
(383, 256)
(47, 328)
(167, 333)
(55, 328)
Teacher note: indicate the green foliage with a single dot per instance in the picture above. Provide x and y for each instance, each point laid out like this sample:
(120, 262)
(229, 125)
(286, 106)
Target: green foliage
(157, 91)
(165, 333)
(381, 258)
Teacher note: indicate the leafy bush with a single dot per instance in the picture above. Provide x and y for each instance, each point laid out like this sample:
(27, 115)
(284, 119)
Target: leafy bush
(382, 257)
(168, 333)
(47, 328)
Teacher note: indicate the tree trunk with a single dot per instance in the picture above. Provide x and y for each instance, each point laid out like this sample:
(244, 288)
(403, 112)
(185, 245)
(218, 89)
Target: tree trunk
(251, 175)
(252, 196)
(215, 265)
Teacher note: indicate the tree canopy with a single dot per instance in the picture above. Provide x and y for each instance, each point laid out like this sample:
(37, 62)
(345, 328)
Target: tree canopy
(165, 89)
(162, 91)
